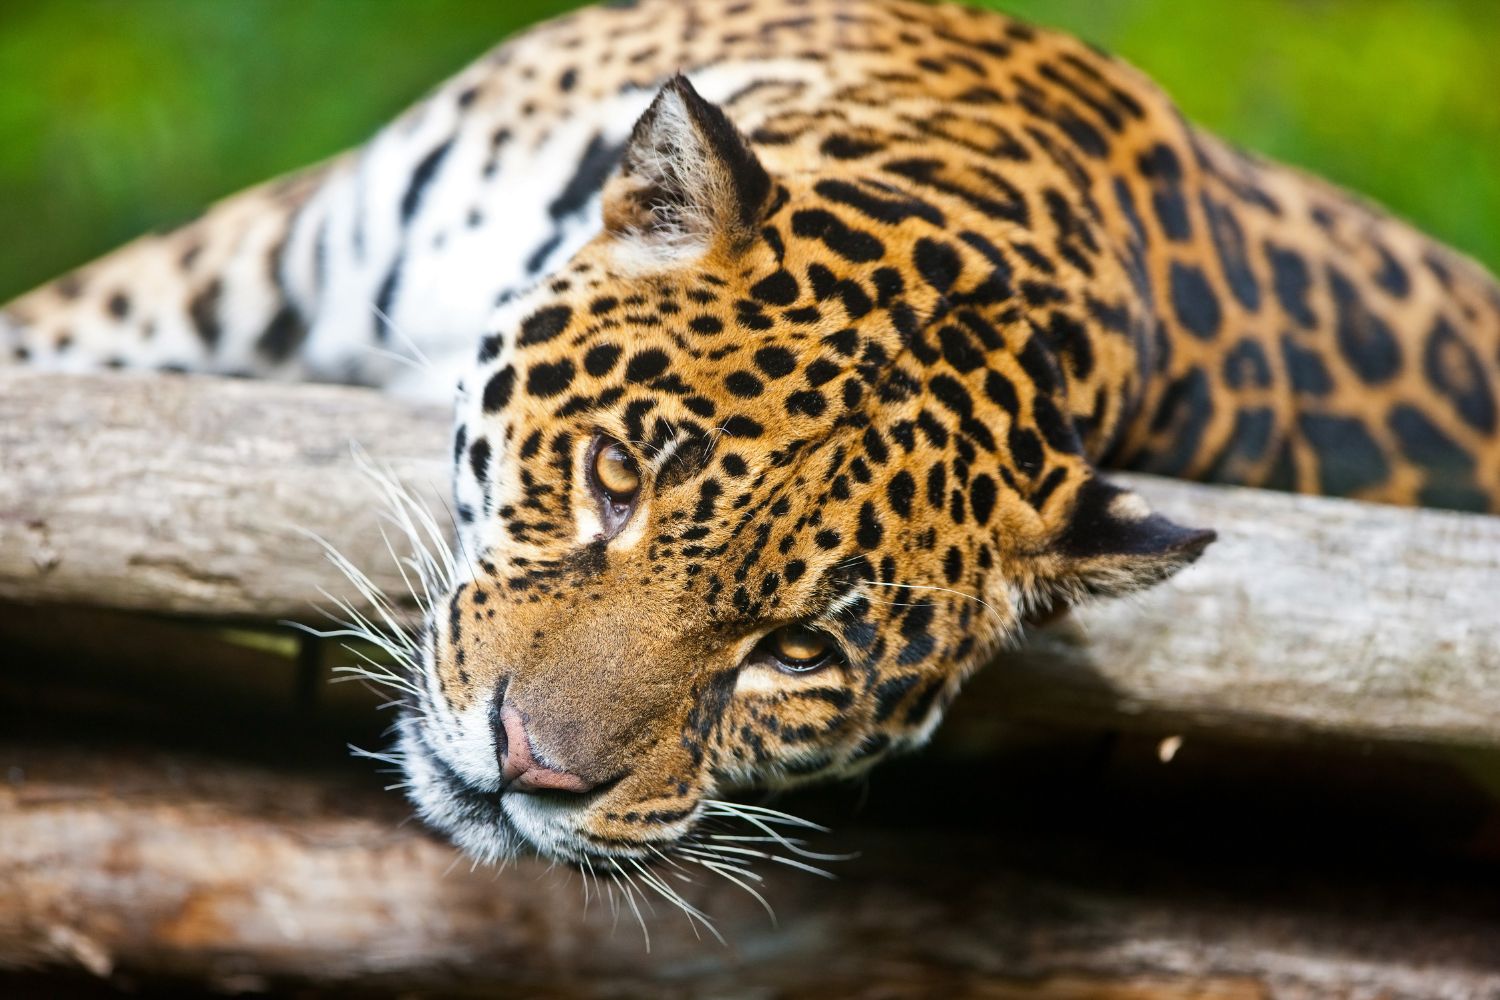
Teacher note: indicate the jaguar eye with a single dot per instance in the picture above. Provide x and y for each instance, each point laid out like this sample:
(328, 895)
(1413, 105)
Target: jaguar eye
(799, 649)
(616, 474)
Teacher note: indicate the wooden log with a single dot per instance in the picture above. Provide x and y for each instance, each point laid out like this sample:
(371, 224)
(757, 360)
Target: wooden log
(191, 495)
(1310, 615)
(135, 868)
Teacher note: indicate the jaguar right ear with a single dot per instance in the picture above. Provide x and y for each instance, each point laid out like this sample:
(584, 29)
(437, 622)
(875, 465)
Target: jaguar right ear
(1112, 543)
(687, 178)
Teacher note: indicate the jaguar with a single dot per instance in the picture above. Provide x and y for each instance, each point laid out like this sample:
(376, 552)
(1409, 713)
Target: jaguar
(790, 344)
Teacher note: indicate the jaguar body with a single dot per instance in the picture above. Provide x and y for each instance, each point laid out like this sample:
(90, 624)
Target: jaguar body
(792, 342)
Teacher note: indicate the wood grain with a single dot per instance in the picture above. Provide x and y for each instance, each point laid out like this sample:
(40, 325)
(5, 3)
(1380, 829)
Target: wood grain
(1310, 615)
(153, 866)
(190, 495)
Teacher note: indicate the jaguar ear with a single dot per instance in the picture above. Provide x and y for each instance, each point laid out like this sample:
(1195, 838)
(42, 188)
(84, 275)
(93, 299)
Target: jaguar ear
(1112, 543)
(686, 179)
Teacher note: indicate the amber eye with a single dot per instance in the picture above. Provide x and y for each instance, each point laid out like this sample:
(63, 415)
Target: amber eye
(798, 648)
(616, 473)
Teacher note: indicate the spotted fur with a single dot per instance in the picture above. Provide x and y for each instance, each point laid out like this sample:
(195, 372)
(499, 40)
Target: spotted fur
(872, 294)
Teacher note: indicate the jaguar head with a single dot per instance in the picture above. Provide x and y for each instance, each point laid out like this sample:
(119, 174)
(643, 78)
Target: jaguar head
(745, 491)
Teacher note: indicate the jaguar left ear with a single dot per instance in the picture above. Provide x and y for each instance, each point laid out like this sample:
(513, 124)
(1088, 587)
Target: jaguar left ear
(687, 178)
(1112, 543)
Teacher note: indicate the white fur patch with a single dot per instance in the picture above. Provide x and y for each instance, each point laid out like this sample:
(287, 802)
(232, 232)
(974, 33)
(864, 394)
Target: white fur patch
(1129, 507)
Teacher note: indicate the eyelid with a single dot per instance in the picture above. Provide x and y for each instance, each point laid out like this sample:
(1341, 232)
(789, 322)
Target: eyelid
(827, 622)
(849, 597)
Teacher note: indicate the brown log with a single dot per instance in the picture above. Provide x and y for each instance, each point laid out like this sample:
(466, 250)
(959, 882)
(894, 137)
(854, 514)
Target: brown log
(192, 495)
(1310, 615)
(136, 868)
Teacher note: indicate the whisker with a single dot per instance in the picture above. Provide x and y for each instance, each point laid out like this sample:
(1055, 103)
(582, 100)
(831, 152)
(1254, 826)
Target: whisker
(946, 590)
(392, 757)
(720, 870)
(694, 915)
(382, 352)
(774, 857)
(697, 856)
(427, 569)
(791, 845)
(667, 858)
(630, 901)
(741, 809)
(420, 361)
(585, 868)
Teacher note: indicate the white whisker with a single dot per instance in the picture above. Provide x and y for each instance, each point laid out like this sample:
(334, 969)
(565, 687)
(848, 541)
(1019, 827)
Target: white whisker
(719, 869)
(427, 569)
(694, 915)
(625, 889)
(790, 862)
(419, 361)
(945, 590)
(742, 809)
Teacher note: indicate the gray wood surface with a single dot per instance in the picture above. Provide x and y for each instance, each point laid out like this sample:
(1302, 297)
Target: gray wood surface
(191, 495)
(1310, 615)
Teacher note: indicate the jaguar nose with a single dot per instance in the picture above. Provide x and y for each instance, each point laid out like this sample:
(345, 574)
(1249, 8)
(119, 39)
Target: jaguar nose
(520, 770)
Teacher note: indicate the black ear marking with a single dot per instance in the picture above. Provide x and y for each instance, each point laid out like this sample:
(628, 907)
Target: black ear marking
(752, 185)
(1110, 520)
(1114, 544)
(687, 173)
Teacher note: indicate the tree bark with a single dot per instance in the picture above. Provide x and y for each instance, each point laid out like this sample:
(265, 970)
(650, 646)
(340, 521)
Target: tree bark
(193, 495)
(139, 868)
(1310, 615)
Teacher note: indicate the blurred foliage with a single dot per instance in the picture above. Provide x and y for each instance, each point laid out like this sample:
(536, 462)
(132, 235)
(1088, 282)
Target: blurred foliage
(117, 116)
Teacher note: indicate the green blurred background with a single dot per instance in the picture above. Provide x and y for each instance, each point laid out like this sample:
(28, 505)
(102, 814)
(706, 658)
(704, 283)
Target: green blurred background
(117, 116)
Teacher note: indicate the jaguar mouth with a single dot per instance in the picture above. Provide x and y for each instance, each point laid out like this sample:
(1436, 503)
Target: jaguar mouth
(723, 840)
(491, 825)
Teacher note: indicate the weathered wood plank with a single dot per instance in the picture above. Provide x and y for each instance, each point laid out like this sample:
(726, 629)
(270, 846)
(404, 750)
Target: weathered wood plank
(244, 878)
(189, 495)
(1309, 615)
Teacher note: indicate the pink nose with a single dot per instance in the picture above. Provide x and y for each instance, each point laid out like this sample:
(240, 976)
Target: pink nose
(519, 770)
